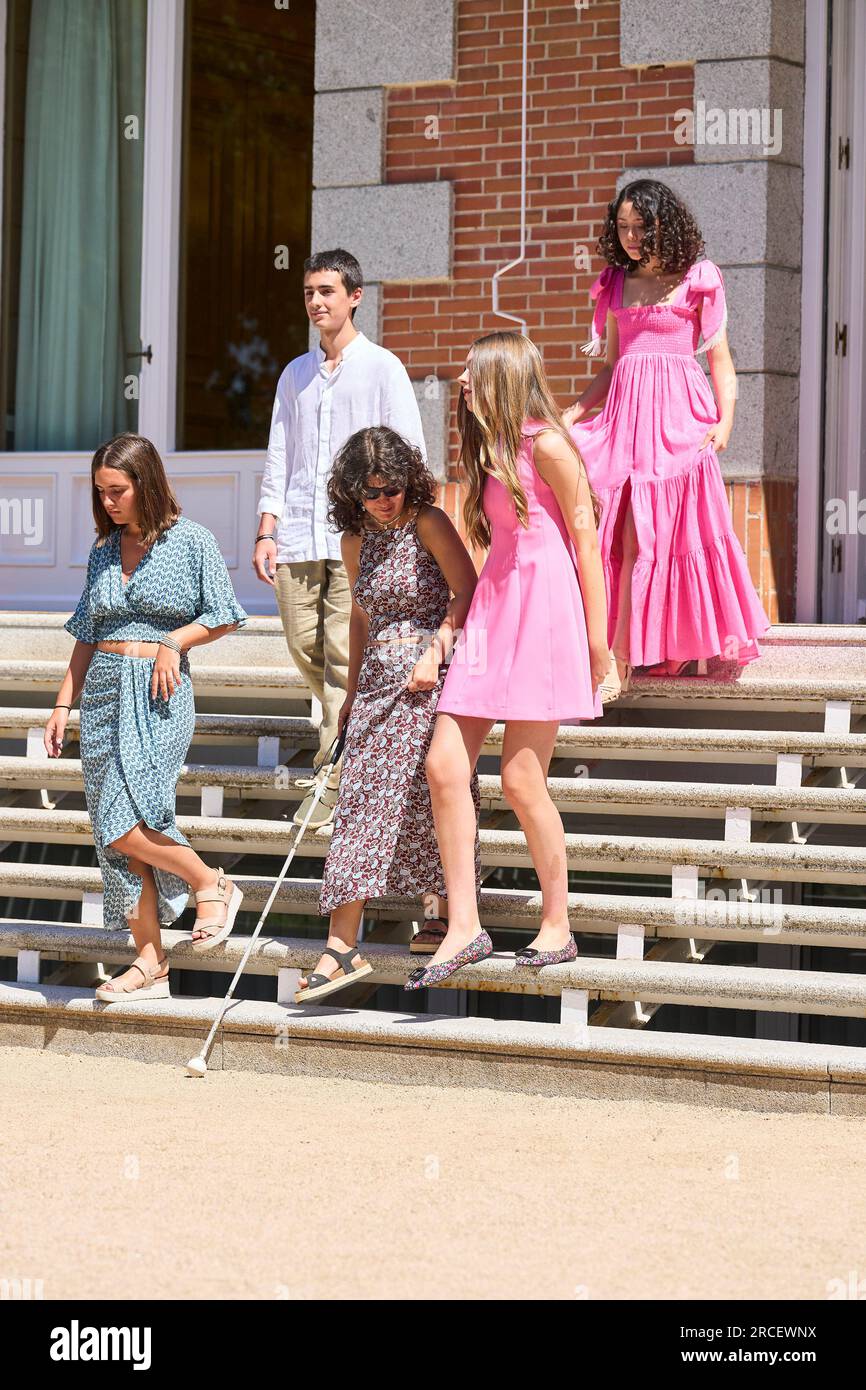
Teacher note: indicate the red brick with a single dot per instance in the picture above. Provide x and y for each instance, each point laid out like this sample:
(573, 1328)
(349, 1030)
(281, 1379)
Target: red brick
(586, 123)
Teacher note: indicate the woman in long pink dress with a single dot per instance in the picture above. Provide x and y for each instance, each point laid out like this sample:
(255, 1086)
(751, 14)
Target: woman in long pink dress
(678, 586)
(533, 649)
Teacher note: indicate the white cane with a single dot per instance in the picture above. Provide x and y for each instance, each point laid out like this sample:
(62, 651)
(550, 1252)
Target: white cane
(197, 1066)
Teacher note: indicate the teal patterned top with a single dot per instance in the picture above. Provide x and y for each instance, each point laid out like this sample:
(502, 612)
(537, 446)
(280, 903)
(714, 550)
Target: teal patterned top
(182, 579)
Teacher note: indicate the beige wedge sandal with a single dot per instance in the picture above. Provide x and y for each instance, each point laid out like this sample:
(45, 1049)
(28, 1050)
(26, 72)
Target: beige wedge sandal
(154, 984)
(220, 930)
(614, 683)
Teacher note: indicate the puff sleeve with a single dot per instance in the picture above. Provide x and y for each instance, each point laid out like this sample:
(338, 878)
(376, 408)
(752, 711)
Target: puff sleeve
(708, 294)
(601, 293)
(81, 623)
(217, 603)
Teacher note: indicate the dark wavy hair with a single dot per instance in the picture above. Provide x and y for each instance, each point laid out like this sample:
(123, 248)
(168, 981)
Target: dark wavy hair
(386, 453)
(158, 508)
(677, 239)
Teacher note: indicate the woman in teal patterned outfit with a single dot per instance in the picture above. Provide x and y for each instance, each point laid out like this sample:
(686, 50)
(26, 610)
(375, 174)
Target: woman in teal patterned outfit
(156, 585)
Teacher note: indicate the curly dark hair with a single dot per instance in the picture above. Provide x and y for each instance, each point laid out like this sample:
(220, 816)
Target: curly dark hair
(384, 452)
(676, 240)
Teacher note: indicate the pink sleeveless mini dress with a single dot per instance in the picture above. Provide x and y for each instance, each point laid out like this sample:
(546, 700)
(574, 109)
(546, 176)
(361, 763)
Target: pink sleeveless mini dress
(523, 651)
(691, 592)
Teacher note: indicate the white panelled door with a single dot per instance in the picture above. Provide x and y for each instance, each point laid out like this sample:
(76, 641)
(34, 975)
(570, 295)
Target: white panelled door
(844, 500)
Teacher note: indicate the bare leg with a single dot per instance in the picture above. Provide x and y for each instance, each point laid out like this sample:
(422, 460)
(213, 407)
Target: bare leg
(342, 934)
(526, 752)
(160, 852)
(144, 925)
(454, 750)
(434, 924)
(442, 900)
(621, 639)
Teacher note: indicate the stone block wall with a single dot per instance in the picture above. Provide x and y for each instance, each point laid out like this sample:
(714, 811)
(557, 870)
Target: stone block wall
(417, 169)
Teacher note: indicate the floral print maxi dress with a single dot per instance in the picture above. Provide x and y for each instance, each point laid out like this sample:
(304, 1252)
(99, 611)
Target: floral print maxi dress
(384, 841)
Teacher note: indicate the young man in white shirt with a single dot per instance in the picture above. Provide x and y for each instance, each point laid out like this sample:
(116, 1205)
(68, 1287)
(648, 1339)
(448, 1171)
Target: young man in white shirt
(346, 384)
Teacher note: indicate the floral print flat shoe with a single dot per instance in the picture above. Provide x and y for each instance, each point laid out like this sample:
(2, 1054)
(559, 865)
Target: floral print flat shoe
(479, 948)
(530, 956)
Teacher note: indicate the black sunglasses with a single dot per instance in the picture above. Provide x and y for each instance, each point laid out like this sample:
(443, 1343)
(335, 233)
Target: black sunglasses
(371, 493)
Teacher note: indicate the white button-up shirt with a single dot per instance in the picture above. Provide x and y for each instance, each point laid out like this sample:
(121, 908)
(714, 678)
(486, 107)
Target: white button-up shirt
(314, 413)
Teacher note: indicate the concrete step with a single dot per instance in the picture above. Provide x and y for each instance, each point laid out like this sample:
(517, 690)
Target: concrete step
(250, 682)
(772, 695)
(262, 637)
(626, 854)
(780, 693)
(851, 635)
(801, 666)
(715, 915)
(20, 627)
(758, 746)
(413, 1049)
(240, 729)
(595, 795)
(790, 676)
(261, 640)
(699, 984)
(818, 673)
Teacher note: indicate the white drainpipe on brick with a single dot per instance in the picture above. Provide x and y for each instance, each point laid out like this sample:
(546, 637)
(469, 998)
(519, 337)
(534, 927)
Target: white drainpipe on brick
(514, 318)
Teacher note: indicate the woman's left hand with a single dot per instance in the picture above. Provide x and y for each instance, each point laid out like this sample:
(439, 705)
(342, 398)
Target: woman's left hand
(717, 435)
(425, 673)
(600, 662)
(166, 676)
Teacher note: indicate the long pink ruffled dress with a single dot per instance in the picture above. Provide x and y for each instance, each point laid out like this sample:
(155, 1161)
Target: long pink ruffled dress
(691, 595)
(523, 651)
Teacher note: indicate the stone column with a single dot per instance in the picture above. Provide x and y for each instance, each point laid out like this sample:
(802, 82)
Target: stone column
(400, 231)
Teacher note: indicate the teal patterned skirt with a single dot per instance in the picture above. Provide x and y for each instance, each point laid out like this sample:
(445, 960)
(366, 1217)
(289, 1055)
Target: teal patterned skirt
(132, 750)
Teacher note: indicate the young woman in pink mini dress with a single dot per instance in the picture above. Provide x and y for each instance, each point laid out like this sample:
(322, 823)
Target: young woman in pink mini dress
(533, 649)
(678, 587)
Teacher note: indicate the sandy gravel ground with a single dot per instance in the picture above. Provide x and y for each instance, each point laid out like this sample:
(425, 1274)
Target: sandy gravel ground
(123, 1180)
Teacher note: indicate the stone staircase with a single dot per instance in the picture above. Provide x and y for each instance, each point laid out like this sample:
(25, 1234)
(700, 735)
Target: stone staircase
(715, 834)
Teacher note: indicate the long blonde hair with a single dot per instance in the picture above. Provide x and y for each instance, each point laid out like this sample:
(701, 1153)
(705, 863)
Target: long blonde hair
(509, 385)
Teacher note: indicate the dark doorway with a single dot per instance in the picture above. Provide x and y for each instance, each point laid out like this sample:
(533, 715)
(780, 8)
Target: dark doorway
(247, 192)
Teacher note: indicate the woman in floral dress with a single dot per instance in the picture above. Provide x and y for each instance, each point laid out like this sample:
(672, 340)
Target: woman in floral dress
(405, 560)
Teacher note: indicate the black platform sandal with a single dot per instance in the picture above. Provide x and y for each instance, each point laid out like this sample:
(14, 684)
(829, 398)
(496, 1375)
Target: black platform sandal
(429, 938)
(320, 985)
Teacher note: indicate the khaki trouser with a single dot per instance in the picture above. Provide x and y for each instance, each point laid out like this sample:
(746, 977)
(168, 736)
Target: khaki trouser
(315, 604)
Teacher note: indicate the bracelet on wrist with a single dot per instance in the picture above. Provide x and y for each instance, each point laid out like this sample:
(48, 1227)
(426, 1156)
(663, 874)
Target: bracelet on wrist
(265, 536)
(69, 707)
(171, 644)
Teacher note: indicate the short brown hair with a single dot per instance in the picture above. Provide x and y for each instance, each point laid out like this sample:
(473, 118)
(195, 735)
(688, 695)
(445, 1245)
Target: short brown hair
(158, 508)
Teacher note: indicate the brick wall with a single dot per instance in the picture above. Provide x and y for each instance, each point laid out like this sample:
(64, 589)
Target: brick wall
(765, 521)
(588, 119)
